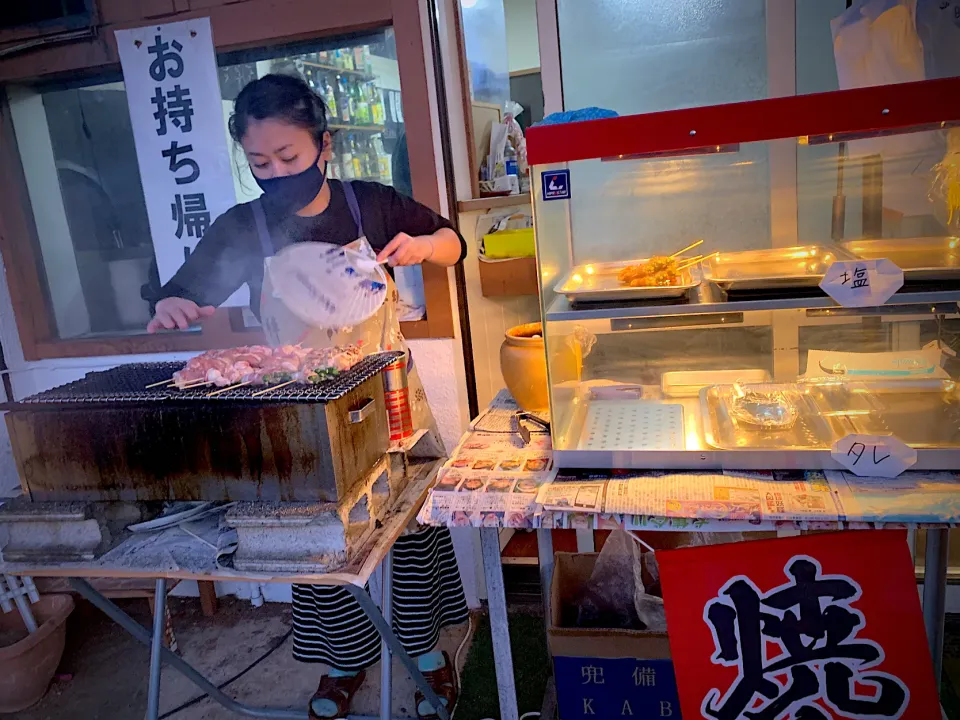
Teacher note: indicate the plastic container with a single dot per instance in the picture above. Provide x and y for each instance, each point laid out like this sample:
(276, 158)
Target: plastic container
(509, 244)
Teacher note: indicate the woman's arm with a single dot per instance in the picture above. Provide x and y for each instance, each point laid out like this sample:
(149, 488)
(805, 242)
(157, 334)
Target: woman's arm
(217, 267)
(440, 248)
(413, 233)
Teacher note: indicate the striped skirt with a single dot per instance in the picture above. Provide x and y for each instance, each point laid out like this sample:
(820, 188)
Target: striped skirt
(329, 626)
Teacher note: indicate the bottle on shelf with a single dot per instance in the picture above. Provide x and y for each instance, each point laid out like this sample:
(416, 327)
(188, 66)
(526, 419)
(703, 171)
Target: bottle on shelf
(356, 169)
(330, 100)
(346, 162)
(352, 102)
(378, 116)
(367, 60)
(343, 100)
(358, 57)
(373, 161)
(363, 107)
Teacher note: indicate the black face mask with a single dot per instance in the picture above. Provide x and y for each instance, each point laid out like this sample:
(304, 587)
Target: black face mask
(289, 194)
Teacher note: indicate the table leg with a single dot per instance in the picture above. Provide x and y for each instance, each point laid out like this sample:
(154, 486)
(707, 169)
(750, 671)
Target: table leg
(371, 610)
(159, 625)
(386, 659)
(545, 553)
(935, 594)
(499, 625)
(141, 634)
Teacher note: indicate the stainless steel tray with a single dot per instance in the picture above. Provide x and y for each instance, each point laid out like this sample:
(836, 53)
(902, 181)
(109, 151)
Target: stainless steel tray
(924, 414)
(724, 432)
(598, 282)
(792, 267)
(921, 259)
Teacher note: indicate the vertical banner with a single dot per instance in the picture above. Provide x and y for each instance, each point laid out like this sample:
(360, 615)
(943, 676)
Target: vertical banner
(170, 75)
(806, 628)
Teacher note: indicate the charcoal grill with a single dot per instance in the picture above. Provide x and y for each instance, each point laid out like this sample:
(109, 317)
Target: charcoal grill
(109, 437)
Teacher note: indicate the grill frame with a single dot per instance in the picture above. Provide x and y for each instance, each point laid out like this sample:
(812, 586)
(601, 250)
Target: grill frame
(126, 385)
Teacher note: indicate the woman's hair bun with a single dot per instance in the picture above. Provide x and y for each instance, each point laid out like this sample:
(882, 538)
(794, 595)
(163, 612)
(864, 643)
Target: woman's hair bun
(281, 97)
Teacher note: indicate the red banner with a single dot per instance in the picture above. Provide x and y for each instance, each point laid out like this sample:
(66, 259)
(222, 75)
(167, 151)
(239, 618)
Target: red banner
(804, 628)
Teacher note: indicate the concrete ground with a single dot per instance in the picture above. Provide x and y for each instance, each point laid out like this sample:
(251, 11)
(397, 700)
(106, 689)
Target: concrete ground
(103, 675)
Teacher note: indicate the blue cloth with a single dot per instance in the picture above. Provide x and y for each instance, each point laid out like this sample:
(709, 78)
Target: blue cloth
(569, 116)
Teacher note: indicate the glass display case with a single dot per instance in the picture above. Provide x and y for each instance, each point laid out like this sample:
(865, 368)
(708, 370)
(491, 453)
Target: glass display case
(682, 257)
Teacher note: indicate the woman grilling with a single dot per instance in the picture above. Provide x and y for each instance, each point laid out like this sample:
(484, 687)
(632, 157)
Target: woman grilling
(280, 124)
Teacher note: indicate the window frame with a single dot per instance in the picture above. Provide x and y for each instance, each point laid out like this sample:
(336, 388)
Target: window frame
(253, 24)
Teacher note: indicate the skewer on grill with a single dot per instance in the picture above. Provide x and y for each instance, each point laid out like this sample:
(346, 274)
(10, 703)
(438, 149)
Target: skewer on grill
(273, 387)
(230, 387)
(158, 384)
(689, 247)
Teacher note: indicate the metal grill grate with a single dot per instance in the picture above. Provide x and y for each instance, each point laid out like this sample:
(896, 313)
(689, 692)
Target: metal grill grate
(128, 384)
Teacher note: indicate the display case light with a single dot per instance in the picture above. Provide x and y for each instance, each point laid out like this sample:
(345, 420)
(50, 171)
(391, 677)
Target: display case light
(707, 150)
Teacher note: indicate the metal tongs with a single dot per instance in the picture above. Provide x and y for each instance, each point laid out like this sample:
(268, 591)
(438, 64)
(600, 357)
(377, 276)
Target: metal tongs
(524, 432)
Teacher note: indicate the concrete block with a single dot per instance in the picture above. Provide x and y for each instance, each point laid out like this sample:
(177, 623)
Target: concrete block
(51, 532)
(312, 537)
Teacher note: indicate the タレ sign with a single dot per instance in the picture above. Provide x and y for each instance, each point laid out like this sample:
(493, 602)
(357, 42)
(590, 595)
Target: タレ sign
(806, 628)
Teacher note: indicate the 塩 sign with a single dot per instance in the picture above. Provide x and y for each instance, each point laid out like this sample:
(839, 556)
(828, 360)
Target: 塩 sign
(806, 628)
(862, 283)
(873, 455)
(170, 77)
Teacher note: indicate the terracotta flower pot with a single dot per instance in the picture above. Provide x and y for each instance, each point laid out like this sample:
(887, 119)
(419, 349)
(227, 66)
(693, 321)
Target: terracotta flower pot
(523, 365)
(27, 666)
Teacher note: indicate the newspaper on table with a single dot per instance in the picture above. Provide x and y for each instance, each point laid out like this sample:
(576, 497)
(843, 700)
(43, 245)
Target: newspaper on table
(750, 497)
(491, 481)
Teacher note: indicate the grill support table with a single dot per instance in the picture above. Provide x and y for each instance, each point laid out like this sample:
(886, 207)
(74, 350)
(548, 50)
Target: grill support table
(375, 551)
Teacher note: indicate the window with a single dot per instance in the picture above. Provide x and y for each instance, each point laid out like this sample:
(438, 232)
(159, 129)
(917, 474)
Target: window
(80, 164)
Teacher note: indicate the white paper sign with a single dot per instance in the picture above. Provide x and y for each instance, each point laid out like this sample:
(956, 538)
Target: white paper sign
(873, 455)
(170, 74)
(862, 283)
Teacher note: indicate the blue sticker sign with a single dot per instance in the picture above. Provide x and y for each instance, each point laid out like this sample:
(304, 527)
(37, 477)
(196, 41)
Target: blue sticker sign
(556, 185)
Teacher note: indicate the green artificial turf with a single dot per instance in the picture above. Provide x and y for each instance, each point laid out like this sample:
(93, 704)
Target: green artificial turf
(478, 696)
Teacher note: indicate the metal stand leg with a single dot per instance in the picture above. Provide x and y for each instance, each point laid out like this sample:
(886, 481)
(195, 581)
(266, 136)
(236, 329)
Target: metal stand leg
(386, 634)
(386, 659)
(175, 661)
(159, 625)
(499, 626)
(545, 552)
(935, 594)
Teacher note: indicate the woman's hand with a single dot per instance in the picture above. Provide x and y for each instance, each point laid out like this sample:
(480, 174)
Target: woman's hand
(407, 250)
(174, 312)
(441, 248)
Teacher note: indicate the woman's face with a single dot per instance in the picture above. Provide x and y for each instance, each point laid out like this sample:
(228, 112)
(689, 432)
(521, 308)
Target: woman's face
(275, 148)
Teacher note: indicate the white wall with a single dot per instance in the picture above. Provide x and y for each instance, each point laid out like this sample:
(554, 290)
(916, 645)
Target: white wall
(523, 50)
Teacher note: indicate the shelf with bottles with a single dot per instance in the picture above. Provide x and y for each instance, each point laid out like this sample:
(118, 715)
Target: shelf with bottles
(359, 74)
(350, 102)
(355, 61)
(360, 156)
(357, 128)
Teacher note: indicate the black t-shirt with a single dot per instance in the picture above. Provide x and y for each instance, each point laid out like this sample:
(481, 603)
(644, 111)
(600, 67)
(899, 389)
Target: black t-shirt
(230, 253)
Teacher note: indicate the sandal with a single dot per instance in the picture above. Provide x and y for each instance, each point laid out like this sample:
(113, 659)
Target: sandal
(339, 691)
(443, 683)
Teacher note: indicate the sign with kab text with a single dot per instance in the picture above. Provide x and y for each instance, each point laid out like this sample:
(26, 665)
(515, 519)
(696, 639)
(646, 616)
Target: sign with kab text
(803, 628)
(170, 77)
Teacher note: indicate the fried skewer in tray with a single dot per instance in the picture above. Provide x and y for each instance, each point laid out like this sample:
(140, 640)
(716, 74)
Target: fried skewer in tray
(656, 272)
(660, 270)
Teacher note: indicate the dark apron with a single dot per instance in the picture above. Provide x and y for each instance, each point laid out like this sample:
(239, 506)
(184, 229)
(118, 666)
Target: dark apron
(379, 333)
